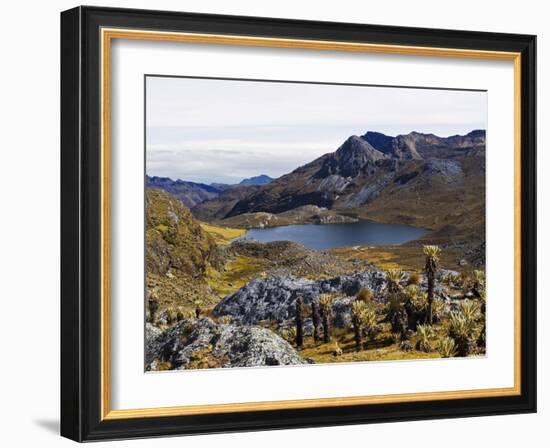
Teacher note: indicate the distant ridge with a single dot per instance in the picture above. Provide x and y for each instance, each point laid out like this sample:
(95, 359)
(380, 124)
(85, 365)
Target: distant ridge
(189, 193)
(262, 179)
(194, 193)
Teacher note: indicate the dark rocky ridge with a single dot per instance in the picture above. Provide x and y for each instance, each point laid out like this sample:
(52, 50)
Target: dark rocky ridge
(363, 167)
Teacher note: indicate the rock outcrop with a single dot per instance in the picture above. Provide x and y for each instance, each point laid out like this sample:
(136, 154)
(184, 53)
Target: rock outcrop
(274, 298)
(203, 343)
(363, 167)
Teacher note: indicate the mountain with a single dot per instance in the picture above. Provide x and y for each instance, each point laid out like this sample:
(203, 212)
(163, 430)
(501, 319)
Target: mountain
(218, 207)
(174, 239)
(262, 179)
(189, 193)
(192, 194)
(418, 179)
(178, 252)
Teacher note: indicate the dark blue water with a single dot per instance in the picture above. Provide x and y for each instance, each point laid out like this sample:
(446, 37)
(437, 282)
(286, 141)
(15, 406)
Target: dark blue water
(326, 236)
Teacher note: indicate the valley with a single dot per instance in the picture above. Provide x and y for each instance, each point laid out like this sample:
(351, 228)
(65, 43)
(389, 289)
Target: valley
(308, 283)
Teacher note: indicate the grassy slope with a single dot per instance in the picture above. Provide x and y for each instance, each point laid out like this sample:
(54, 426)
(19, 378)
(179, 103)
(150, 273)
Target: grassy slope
(222, 235)
(185, 258)
(407, 257)
(238, 271)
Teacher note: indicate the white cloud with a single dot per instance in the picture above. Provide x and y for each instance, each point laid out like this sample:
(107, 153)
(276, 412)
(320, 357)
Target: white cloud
(221, 131)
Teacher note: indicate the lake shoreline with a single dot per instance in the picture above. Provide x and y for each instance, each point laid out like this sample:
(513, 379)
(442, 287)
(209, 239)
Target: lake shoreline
(362, 232)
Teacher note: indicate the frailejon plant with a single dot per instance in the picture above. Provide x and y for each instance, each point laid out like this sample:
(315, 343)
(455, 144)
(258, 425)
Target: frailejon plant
(425, 332)
(478, 283)
(461, 329)
(432, 265)
(299, 322)
(483, 299)
(396, 313)
(415, 305)
(469, 309)
(358, 311)
(397, 316)
(289, 334)
(198, 308)
(337, 350)
(153, 305)
(414, 278)
(364, 295)
(394, 280)
(447, 347)
(438, 307)
(225, 320)
(325, 301)
(370, 324)
(316, 320)
(364, 322)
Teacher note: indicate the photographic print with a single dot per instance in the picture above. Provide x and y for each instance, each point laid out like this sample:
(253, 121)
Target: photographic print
(296, 223)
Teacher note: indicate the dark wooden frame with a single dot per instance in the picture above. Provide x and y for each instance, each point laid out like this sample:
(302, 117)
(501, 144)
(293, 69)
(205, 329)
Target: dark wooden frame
(81, 224)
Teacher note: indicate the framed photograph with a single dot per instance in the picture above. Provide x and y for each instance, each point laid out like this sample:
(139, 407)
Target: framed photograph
(273, 223)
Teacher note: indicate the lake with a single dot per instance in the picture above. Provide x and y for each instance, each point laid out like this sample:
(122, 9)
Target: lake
(326, 236)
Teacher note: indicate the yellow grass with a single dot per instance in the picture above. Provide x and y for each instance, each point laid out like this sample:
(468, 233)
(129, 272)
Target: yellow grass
(379, 350)
(236, 274)
(404, 257)
(222, 235)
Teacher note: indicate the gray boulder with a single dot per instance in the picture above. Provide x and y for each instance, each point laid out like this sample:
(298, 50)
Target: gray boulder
(204, 343)
(274, 298)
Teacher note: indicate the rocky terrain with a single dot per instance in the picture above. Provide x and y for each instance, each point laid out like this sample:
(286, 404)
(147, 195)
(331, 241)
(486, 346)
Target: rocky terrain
(274, 298)
(416, 179)
(306, 214)
(203, 343)
(216, 299)
(186, 259)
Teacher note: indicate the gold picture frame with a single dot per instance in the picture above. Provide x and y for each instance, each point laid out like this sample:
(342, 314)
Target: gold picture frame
(107, 30)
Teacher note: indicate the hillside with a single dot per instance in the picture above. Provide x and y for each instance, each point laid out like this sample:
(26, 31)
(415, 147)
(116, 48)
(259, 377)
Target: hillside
(179, 252)
(218, 207)
(188, 260)
(416, 179)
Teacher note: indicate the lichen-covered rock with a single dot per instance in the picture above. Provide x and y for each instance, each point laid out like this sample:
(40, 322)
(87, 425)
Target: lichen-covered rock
(274, 298)
(204, 343)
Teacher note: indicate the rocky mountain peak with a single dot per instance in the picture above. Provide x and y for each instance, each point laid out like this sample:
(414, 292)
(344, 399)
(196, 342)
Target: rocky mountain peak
(353, 157)
(381, 142)
(477, 133)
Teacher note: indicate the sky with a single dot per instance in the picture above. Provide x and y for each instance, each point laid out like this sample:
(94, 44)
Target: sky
(208, 130)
